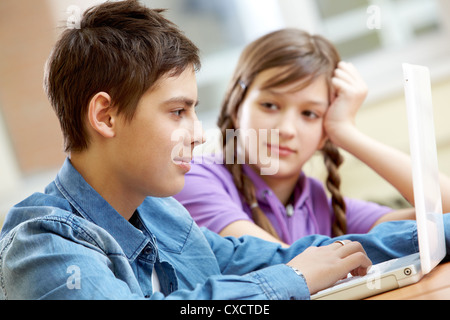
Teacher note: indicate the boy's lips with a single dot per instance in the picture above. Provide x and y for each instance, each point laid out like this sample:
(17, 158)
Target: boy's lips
(183, 163)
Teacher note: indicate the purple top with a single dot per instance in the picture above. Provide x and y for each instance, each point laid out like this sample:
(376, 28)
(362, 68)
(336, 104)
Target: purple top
(214, 202)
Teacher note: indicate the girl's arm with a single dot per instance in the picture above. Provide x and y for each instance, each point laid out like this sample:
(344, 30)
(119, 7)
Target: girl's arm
(398, 215)
(391, 164)
(244, 227)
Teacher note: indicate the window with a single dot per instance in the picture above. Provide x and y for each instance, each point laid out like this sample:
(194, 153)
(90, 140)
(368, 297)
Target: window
(378, 35)
(386, 24)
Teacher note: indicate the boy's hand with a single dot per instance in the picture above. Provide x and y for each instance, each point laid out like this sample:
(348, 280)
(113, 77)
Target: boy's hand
(350, 91)
(324, 266)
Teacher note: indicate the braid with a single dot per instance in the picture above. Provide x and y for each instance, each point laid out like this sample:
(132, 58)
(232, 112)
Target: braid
(246, 188)
(333, 160)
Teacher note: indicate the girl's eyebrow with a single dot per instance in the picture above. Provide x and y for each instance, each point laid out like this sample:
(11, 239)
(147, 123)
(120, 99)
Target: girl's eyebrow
(324, 104)
(272, 92)
(319, 103)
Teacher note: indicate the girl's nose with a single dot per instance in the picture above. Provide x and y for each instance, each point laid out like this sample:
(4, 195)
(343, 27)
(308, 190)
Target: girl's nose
(287, 126)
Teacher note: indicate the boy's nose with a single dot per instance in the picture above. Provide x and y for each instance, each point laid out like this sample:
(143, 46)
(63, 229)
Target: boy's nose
(198, 136)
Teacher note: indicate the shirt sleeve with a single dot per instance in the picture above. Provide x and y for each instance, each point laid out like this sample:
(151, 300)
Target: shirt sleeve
(247, 272)
(38, 264)
(211, 197)
(67, 267)
(277, 282)
(362, 215)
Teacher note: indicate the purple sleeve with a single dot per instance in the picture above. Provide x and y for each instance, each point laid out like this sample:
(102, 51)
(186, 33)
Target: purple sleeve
(211, 197)
(362, 215)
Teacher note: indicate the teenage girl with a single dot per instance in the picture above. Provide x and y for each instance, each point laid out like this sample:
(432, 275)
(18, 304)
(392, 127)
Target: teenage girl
(295, 83)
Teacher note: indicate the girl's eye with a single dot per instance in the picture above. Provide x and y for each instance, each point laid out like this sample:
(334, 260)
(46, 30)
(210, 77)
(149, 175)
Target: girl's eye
(310, 114)
(270, 106)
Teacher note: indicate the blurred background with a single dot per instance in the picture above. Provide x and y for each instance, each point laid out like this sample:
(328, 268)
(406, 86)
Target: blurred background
(375, 35)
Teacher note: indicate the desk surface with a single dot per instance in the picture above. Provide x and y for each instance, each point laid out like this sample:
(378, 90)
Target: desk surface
(434, 286)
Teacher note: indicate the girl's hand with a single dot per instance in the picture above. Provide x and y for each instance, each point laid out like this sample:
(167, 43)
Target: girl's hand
(350, 91)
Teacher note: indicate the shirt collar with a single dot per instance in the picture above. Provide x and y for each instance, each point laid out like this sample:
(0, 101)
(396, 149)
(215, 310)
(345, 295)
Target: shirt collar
(301, 191)
(91, 206)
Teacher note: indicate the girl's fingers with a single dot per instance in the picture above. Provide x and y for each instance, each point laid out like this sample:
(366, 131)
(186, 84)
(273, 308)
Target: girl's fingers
(344, 76)
(349, 69)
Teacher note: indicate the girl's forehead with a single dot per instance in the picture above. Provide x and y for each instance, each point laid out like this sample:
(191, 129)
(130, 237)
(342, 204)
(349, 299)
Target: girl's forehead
(264, 82)
(280, 80)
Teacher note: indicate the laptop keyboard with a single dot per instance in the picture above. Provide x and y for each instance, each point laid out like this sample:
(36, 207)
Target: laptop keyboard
(378, 269)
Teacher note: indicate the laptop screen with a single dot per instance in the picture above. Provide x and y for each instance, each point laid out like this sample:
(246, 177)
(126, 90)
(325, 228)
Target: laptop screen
(427, 195)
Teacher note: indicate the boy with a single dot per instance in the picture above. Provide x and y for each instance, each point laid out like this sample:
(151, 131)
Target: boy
(106, 227)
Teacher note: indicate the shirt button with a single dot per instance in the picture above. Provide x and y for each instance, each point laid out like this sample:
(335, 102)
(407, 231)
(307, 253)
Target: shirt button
(148, 250)
(289, 210)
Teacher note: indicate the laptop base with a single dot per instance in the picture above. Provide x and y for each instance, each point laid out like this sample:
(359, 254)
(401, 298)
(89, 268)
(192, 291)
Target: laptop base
(382, 277)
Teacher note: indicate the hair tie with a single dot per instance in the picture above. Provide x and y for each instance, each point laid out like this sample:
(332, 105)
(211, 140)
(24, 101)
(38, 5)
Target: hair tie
(242, 84)
(254, 205)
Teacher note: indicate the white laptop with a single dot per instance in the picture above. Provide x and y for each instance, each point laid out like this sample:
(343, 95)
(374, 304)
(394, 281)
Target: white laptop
(407, 270)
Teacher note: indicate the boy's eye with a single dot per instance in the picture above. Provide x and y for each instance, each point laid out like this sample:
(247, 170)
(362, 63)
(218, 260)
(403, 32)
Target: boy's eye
(178, 112)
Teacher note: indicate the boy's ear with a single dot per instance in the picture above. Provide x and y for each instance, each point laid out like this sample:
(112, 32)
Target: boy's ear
(101, 115)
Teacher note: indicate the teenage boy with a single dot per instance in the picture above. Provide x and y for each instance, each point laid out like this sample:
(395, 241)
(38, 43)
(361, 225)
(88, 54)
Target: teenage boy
(122, 85)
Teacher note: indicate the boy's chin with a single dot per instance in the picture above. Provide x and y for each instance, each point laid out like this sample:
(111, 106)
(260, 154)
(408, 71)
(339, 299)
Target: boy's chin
(170, 190)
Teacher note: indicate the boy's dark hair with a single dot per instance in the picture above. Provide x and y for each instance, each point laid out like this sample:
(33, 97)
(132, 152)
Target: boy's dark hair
(121, 48)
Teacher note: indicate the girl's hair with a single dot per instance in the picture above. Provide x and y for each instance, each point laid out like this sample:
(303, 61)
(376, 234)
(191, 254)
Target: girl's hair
(299, 56)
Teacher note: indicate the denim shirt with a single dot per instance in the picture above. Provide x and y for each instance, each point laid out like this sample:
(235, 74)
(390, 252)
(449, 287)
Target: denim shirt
(69, 243)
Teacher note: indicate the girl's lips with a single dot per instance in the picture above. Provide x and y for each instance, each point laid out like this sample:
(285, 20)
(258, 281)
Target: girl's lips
(281, 150)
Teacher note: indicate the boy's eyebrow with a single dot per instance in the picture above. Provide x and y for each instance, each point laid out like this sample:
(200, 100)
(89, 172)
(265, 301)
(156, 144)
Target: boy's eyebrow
(188, 102)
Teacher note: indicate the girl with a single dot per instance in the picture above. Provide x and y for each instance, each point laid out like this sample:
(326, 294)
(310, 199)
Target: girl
(292, 82)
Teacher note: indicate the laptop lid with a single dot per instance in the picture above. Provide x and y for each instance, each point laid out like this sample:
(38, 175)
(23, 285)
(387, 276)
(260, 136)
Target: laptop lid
(425, 172)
